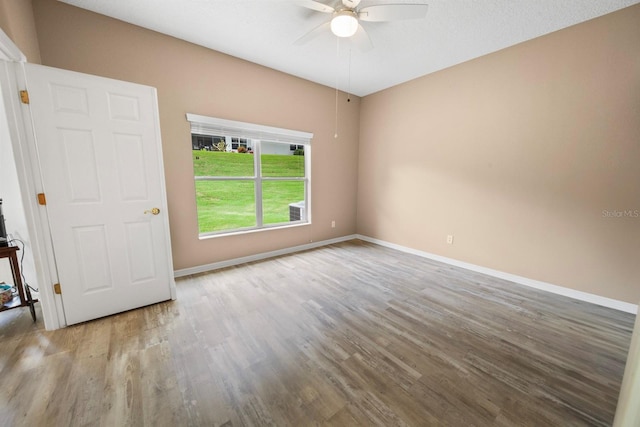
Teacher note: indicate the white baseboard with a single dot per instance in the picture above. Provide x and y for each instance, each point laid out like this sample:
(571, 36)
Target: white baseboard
(560, 290)
(260, 256)
(548, 287)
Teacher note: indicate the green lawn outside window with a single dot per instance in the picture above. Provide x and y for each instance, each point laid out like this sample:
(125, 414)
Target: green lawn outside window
(229, 205)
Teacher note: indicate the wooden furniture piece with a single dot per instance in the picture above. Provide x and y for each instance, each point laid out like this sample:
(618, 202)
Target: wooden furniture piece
(23, 299)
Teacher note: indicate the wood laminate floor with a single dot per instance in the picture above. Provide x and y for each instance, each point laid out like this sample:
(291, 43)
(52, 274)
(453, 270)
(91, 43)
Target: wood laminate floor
(346, 335)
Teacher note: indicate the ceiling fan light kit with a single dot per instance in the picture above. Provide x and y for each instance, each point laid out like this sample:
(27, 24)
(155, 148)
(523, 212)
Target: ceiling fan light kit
(344, 23)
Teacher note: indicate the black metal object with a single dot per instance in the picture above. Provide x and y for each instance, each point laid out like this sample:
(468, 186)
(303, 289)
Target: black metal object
(3, 230)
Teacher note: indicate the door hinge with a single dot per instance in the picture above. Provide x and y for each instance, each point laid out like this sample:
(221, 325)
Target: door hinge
(57, 289)
(24, 96)
(42, 200)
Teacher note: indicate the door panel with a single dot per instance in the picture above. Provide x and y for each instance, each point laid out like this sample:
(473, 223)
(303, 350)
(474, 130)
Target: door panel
(131, 173)
(79, 162)
(100, 153)
(140, 251)
(69, 99)
(122, 107)
(93, 258)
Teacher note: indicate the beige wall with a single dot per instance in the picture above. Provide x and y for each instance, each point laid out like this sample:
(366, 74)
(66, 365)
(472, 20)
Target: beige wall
(192, 79)
(16, 20)
(517, 154)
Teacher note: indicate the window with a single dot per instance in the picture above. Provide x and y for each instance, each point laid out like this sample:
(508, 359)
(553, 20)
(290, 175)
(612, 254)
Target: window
(236, 143)
(251, 179)
(207, 142)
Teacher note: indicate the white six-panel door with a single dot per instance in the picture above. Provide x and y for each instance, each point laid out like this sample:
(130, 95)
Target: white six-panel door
(100, 155)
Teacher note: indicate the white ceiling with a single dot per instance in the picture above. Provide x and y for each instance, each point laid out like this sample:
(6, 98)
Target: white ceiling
(263, 31)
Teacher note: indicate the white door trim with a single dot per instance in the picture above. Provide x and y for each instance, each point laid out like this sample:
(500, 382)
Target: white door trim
(8, 49)
(51, 304)
(22, 140)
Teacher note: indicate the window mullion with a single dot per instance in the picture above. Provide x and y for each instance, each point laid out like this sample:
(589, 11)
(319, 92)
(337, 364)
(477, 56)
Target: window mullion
(283, 178)
(258, 181)
(224, 178)
(307, 182)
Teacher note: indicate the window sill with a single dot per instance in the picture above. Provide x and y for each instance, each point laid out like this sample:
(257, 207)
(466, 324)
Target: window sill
(214, 235)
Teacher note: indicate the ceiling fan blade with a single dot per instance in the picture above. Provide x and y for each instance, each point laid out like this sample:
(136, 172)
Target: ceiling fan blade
(320, 29)
(392, 12)
(314, 5)
(361, 40)
(351, 4)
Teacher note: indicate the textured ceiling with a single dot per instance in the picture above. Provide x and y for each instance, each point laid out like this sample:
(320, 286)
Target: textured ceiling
(264, 31)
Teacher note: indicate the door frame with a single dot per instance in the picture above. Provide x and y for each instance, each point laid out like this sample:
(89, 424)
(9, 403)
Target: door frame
(23, 142)
(12, 78)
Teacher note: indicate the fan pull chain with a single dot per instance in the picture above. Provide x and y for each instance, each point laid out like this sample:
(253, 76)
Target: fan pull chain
(349, 80)
(335, 135)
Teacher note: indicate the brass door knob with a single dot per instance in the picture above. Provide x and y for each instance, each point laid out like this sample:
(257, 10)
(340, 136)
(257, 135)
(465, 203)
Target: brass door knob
(154, 211)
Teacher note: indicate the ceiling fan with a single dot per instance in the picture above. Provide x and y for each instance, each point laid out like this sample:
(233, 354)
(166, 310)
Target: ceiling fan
(345, 20)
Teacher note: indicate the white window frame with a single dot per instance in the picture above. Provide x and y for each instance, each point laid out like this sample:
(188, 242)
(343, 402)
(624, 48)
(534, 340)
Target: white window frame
(254, 134)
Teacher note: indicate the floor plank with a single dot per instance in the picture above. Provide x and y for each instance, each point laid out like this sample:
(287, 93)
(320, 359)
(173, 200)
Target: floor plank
(346, 335)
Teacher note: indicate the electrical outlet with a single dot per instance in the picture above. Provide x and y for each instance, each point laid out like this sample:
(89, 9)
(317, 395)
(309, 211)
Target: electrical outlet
(450, 239)
(333, 224)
